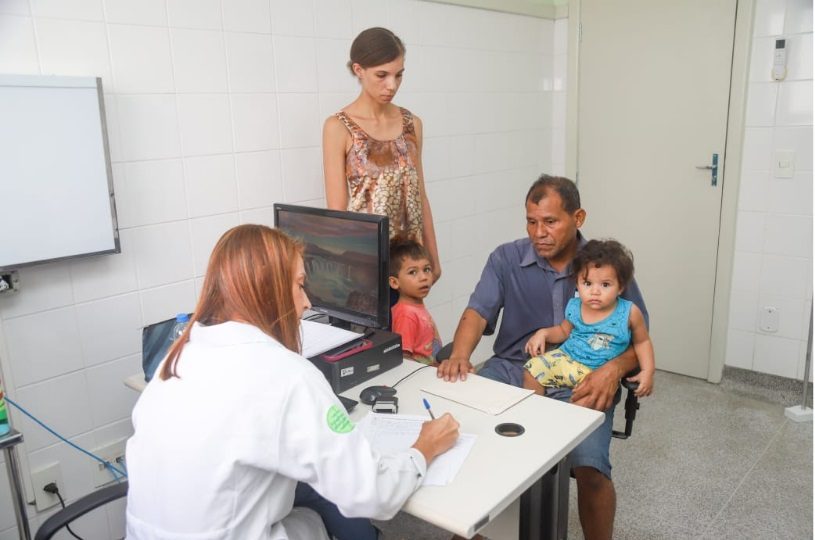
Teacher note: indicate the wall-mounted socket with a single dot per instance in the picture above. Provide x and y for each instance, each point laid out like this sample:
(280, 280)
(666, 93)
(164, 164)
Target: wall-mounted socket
(42, 477)
(113, 452)
(768, 319)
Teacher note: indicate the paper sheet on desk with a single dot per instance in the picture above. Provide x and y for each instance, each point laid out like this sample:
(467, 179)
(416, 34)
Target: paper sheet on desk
(390, 433)
(319, 337)
(478, 393)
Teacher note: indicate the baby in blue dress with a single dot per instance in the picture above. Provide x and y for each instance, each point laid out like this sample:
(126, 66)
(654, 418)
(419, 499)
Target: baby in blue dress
(598, 327)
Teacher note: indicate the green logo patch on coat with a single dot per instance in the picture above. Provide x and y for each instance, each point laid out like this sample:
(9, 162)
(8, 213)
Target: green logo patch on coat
(338, 420)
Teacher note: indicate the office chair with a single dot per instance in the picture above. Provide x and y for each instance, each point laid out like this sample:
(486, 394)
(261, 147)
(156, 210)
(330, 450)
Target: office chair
(79, 508)
(631, 405)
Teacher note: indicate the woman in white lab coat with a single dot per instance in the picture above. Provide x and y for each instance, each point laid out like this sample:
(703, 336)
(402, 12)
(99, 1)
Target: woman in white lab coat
(236, 417)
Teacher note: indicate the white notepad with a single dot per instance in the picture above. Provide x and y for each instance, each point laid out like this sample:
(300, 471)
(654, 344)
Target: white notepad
(478, 393)
(319, 337)
(389, 433)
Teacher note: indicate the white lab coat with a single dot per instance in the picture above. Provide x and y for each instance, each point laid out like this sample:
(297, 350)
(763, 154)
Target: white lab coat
(217, 453)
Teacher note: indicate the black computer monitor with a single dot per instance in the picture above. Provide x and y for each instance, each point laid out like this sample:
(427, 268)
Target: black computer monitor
(346, 259)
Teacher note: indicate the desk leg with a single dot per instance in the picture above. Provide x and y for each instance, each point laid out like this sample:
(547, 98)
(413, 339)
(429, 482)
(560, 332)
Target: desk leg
(17, 497)
(545, 506)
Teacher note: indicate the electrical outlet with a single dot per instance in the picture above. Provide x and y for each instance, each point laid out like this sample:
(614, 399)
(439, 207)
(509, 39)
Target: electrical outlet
(42, 477)
(114, 453)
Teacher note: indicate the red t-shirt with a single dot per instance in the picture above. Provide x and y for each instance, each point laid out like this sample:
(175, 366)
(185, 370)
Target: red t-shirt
(419, 334)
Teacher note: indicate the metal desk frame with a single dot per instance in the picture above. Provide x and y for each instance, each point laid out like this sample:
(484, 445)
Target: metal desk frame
(8, 444)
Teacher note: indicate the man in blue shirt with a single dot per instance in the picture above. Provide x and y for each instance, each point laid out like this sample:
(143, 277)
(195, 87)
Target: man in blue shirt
(531, 280)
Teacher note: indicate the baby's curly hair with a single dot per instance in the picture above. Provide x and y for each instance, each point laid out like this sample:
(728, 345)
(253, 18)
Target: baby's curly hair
(404, 247)
(596, 253)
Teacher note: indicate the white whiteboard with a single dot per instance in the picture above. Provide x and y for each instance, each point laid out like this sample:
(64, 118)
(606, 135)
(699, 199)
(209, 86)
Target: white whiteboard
(56, 193)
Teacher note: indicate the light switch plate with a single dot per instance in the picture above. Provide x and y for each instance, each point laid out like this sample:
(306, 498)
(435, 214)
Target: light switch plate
(783, 163)
(768, 319)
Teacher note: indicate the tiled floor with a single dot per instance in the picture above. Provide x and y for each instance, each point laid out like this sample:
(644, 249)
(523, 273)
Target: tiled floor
(705, 461)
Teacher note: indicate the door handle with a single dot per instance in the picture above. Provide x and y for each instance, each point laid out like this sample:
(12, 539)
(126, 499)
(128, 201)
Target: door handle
(713, 168)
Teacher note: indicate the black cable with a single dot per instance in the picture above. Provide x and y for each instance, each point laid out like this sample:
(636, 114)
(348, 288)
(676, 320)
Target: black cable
(53, 489)
(409, 374)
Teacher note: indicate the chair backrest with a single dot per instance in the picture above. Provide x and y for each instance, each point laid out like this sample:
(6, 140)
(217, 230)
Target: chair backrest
(155, 342)
(79, 508)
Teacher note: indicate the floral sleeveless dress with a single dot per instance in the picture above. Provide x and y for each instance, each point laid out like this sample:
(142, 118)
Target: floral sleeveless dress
(383, 177)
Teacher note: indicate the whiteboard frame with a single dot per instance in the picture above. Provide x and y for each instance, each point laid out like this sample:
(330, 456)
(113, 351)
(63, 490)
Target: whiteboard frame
(73, 82)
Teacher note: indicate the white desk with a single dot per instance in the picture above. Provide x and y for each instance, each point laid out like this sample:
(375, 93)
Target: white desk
(516, 474)
(498, 470)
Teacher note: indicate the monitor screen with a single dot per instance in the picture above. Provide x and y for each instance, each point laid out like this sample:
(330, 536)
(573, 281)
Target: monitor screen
(346, 260)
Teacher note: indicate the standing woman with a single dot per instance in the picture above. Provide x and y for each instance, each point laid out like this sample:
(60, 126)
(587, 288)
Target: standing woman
(237, 417)
(372, 148)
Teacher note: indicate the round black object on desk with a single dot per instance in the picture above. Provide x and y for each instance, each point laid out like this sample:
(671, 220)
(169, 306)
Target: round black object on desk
(372, 393)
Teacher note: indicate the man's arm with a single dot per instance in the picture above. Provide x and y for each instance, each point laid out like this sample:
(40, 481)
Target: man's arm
(470, 328)
(597, 389)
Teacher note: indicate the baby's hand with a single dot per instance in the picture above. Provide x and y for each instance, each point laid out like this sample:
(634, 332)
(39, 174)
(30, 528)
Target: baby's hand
(536, 345)
(646, 380)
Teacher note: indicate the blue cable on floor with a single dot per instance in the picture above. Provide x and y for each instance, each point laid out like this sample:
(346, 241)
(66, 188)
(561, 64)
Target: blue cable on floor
(118, 474)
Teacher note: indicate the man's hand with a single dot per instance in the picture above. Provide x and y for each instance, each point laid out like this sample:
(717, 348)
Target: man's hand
(455, 368)
(596, 391)
(470, 328)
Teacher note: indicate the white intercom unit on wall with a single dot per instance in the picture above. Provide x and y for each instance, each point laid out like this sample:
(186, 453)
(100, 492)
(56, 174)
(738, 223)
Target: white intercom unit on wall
(780, 60)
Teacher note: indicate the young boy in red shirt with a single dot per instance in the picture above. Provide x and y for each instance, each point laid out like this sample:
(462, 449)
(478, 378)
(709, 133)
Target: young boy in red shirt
(411, 275)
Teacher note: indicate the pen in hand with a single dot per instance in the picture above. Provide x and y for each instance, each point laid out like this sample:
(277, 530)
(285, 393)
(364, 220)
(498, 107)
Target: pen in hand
(427, 406)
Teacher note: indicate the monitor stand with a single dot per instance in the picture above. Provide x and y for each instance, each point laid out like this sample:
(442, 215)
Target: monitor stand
(345, 325)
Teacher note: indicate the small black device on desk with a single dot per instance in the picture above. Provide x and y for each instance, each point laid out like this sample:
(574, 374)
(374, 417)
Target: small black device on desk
(386, 405)
(370, 394)
(382, 399)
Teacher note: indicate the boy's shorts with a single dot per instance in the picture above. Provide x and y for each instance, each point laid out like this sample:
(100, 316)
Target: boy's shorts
(556, 369)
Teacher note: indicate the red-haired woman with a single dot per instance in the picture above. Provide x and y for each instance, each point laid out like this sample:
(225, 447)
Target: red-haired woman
(372, 148)
(236, 417)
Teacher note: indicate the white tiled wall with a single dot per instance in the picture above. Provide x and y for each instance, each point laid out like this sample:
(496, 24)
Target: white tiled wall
(214, 111)
(773, 260)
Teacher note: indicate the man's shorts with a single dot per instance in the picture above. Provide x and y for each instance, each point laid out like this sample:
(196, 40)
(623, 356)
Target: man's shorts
(593, 451)
(556, 369)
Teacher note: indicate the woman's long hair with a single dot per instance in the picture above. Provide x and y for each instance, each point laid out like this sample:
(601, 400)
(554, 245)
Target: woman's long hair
(249, 279)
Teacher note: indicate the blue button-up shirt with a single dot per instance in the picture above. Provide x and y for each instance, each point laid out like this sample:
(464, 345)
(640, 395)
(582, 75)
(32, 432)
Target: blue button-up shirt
(531, 294)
